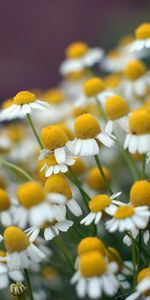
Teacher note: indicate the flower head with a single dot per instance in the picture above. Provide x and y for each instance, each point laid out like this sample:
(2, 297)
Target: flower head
(89, 244)
(143, 31)
(58, 184)
(93, 86)
(4, 201)
(30, 194)
(134, 70)
(76, 50)
(116, 107)
(86, 126)
(53, 137)
(139, 122)
(95, 180)
(140, 193)
(54, 96)
(15, 239)
(92, 264)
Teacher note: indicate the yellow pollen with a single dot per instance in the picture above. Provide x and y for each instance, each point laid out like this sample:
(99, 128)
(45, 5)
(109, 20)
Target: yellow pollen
(7, 103)
(140, 193)
(93, 86)
(58, 184)
(89, 244)
(143, 31)
(99, 203)
(76, 50)
(15, 239)
(53, 137)
(92, 264)
(54, 96)
(114, 255)
(30, 194)
(143, 274)
(50, 160)
(78, 111)
(116, 107)
(139, 122)
(79, 166)
(112, 81)
(95, 180)
(4, 200)
(86, 126)
(24, 97)
(123, 212)
(134, 70)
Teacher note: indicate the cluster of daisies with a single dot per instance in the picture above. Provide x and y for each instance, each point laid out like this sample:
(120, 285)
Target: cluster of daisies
(74, 179)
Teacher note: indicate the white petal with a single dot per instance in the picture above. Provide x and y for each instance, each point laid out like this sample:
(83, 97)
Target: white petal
(60, 155)
(74, 207)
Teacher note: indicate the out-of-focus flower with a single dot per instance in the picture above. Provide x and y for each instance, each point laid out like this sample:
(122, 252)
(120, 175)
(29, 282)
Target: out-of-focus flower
(51, 166)
(95, 181)
(142, 34)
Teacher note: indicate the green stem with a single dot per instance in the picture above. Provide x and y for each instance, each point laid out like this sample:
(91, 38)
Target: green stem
(143, 175)
(27, 278)
(103, 174)
(34, 131)
(134, 263)
(62, 247)
(101, 110)
(16, 168)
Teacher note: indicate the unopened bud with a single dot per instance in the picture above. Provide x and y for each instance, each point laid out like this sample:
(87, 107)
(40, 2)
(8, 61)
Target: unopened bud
(17, 289)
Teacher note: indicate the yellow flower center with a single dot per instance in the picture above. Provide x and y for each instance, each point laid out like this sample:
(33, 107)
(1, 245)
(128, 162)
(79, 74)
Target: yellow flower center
(112, 81)
(93, 86)
(58, 184)
(92, 264)
(89, 244)
(15, 239)
(4, 200)
(24, 97)
(54, 96)
(76, 50)
(116, 107)
(78, 111)
(143, 274)
(95, 180)
(139, 122)
(53, 137)
(134, 70)
(143, 31)
(140, 193)
(67, 131)
(7, 103)
(50, 160)
(30, 194)
(86, 126)
(99, 203)
(79, 166)
(123, 212)
(49, 272)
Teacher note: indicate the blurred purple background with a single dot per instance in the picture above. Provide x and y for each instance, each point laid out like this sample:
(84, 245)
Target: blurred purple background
(34, 34)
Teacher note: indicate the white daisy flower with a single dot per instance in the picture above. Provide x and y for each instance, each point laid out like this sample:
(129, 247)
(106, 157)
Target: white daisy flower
(6, 275)
(138, 138)
(128, 218)
(98, 205)
(88, 134)
(95, 275)
(5, 209)
(21, 250)
(142, 41)
(79, 57)
(23, 103)
(143, 285)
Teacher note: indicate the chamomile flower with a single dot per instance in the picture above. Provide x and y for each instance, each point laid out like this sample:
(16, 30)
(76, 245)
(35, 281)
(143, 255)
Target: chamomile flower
(136, 80)
(142, 34)
(34, 208)
(117, 110)
(87, 134)
(138, 138)
(58, 186)
(140, 193)
(99, 205)
(143, 285)
(6, 275)
(54, 140)
(128, 218)
(95, 275)
(51, 166)
(21, 250)
(95, 181)
(23, 103)
(79, 56)
(5, 209)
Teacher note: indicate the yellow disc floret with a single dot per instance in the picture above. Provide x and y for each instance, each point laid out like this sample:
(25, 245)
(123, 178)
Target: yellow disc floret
(143, 274)
(54, 96)
(79, 166)
(24, 97)
(53, 137)
(86, 126)
(4, 200)
(76, 50)
(134, 70)
(116, 107)
(89, 244)
(99, 203)
(143, 31)
(140, 193)
(92, 264)
(50, 160)
(95, 180)
(7, 103)
(58, 184)
(123, 212)
(15, 239)
(30, 194)
(93, 86)
(139, 122)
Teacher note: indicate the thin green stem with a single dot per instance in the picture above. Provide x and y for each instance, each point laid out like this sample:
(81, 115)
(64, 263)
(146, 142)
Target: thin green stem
(143, 174)
(63, 248)
(134, 263)
(15, 168)
(34, 131)
(101, 110)
(27, 278)
(108, 187)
